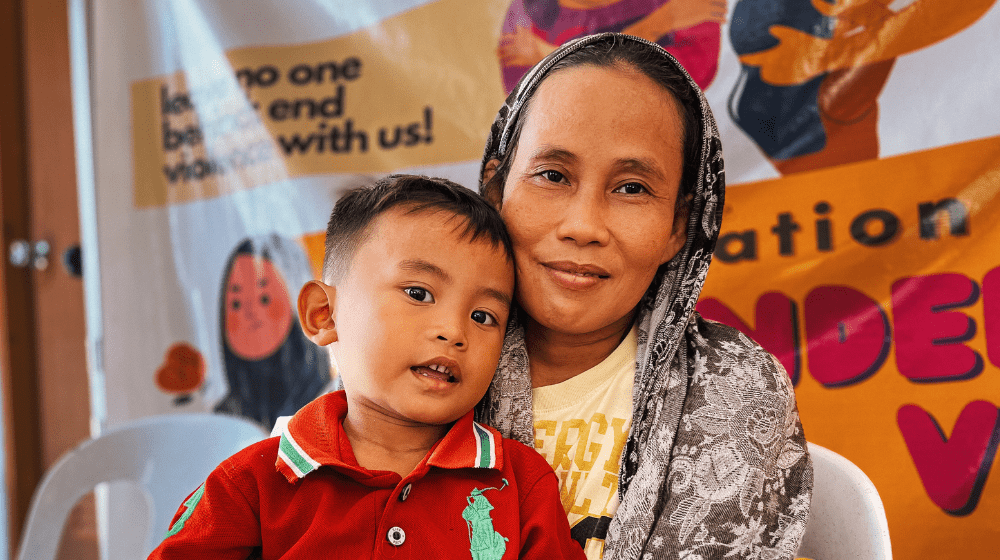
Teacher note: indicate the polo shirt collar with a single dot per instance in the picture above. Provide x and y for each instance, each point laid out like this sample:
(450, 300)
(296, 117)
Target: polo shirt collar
(315, 437)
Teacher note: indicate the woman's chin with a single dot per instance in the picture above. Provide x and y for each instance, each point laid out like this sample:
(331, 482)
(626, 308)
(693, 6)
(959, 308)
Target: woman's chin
(579, 318)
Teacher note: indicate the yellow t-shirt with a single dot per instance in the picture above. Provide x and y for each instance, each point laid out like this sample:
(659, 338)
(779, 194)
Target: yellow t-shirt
(581, 426)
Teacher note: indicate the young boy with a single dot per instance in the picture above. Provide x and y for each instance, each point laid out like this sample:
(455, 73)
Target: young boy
(418, 280)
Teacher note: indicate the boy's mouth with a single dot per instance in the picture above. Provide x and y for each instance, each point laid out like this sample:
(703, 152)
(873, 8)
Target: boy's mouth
(437, 370)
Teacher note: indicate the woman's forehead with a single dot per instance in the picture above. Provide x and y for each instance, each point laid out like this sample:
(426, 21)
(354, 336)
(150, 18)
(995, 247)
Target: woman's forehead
(624, 112)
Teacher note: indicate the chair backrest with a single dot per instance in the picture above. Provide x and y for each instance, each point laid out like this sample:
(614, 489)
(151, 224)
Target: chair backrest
(846, 518)
(168, 456)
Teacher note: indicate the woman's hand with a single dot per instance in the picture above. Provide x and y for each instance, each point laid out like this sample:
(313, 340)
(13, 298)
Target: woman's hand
(676, 15)
(522, 48)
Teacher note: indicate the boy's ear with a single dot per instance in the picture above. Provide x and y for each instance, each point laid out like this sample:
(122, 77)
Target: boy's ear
(317, 303)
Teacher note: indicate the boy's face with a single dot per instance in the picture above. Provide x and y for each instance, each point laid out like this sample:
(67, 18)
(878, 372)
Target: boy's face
(420, 318)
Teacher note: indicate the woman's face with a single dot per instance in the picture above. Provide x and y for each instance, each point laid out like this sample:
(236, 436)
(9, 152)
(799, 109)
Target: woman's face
(590, 196)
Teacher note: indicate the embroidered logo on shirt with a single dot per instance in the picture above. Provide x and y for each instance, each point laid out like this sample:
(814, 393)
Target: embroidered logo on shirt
(484, 542)
(189, 505)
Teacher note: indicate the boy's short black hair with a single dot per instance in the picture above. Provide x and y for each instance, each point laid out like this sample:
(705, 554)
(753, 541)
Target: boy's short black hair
(352, 216)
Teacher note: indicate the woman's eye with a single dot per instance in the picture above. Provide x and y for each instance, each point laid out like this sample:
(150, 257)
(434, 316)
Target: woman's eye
(236, 305)
(484, 318)
(265, 299)
(552, 175)
(419, 294)
(631, 188)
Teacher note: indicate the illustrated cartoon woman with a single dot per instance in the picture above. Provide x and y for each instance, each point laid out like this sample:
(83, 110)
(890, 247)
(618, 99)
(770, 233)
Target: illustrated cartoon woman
(812, 71)
(272, 369)
(687, 29)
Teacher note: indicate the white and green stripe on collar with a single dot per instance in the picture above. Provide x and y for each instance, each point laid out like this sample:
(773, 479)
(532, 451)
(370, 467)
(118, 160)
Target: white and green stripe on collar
(486, 457)
(302, 464)
(298, 460)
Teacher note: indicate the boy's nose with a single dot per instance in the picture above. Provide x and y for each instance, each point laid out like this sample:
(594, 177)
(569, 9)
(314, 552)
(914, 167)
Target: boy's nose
(458, 343)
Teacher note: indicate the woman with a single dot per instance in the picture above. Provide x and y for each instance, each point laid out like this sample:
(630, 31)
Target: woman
(673, 437)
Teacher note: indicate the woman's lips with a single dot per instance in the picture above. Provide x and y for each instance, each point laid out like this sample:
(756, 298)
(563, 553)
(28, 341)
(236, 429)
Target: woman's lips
(575, 276)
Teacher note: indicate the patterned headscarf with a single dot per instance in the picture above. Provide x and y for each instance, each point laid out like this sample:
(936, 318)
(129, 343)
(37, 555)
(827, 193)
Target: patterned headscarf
(698, 384)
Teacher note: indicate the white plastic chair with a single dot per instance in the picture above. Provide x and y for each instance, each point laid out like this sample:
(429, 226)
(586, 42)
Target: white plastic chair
(168, 456)
(846, 519)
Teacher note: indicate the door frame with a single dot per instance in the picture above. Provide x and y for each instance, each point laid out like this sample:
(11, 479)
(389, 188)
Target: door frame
(18, 344)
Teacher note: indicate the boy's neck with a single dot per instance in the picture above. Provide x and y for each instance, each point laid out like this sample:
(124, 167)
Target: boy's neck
(384, 443)
(555, 357)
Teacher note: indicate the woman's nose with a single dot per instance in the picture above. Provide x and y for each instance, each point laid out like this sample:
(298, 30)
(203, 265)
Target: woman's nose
(584, 220)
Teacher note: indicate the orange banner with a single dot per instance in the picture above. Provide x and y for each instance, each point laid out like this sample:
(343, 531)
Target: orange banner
(877, 285)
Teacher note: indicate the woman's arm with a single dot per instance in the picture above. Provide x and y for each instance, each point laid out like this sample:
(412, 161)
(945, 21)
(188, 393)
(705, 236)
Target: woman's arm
(740, 480)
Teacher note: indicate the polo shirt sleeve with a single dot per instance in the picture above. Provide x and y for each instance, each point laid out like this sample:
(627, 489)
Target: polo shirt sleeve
(216, 521)
(545, 532)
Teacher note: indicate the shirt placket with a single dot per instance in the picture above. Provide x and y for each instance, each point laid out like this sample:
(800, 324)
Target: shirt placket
(396, 527)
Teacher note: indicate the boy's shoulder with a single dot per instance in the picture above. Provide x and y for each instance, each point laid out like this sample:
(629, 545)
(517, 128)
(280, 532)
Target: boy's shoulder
(255, 460)
(519, 451)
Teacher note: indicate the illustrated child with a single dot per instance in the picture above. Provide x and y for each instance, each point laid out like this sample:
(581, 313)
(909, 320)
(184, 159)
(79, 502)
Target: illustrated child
(418, 278)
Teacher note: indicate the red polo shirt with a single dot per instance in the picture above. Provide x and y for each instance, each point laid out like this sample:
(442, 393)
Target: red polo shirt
(303, 495)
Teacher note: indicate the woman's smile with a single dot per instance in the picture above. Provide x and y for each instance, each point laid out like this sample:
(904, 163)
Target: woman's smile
(575, 276)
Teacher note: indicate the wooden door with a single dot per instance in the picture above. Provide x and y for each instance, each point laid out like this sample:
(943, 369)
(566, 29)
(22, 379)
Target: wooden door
(42, 349)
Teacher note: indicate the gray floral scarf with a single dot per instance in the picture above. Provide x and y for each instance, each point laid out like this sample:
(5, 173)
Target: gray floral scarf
(715, 464)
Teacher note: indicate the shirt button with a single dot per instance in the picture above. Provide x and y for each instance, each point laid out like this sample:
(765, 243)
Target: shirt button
(396, 536)
(405, 493)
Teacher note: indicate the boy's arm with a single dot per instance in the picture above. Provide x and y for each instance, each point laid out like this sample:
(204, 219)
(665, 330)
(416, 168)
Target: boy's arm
(545, 530)
(215, 521)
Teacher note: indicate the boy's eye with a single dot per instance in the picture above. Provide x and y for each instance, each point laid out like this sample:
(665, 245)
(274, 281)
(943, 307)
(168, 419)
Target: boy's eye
(631, 188)
(265, 299)
(236, 305)
(484, 318)
(553, 175)
(419, 294)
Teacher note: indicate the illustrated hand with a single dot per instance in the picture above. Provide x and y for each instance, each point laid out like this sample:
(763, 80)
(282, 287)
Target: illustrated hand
(855, 16)
(676, 15)
(522, 48)
(797, 58)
